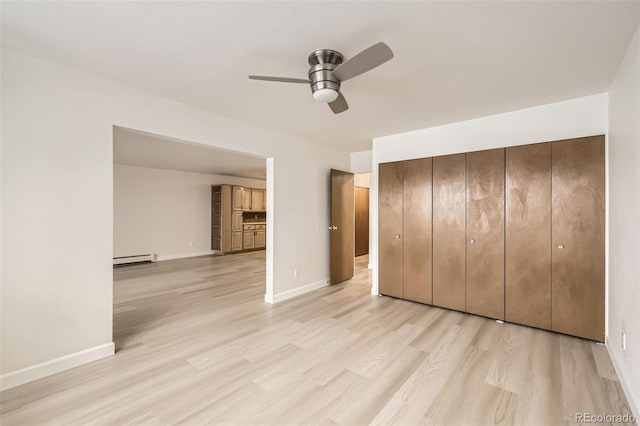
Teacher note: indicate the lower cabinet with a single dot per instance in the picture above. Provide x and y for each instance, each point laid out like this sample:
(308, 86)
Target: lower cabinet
(249, 240)
(260, 239)
(514, 234)
(236, 240)
(254, 236)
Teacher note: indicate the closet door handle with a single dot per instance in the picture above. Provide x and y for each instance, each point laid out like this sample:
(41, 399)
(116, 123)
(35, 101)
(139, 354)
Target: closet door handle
(560, 246)
(472, 241)
(396, 236)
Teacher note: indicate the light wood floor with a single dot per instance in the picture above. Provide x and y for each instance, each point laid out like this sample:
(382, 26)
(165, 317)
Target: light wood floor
(197, 345)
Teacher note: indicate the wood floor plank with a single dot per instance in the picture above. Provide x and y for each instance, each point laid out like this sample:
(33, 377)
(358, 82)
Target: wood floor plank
(196, 344)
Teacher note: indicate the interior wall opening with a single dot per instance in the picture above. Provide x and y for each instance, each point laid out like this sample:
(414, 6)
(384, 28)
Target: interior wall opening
(187, 217)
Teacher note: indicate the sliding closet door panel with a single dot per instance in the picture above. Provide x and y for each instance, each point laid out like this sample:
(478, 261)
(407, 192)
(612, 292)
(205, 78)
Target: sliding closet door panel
(578, 179)
(390, 208)
(416, 235)
(449, 231)
(485, 233)
(528, 235)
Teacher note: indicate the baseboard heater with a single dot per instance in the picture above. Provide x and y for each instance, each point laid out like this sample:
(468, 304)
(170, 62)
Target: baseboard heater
(138, 258)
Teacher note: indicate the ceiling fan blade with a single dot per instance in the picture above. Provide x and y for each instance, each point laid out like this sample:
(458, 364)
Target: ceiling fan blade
(279, 79)
(364, 61)
(339, 105)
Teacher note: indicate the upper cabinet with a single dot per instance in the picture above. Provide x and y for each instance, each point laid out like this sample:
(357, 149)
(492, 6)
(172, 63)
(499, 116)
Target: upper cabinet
(246, 199)
(258, 202)
(249, 199)
(237, 197)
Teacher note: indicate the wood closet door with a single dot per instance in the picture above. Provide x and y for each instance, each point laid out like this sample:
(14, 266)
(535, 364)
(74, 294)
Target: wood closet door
(485, 233)
(390, 195)
(416, 236)
(449, 231)
(528, 235)
(578, 212)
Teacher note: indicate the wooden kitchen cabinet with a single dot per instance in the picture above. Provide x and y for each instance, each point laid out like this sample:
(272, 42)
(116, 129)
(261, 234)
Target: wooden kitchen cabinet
(228, 206)
(260, 239)
(237, 197)
(258, 201)
(249, 240)
(246, 199)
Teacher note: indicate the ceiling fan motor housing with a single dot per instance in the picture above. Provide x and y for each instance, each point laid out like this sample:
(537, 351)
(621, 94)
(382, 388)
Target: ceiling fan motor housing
(323, 62)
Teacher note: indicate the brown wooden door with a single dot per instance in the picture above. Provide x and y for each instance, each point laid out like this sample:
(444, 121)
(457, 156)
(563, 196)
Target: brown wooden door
(485, 233)
(449, 231)
(390, 195)
(528, 235)
(416, 234)
(362, 221)
(342, 226)
(578, 212)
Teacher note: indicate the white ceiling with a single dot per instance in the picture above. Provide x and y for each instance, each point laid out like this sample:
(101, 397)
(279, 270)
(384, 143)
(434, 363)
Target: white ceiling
(453, 60)
(134, 148)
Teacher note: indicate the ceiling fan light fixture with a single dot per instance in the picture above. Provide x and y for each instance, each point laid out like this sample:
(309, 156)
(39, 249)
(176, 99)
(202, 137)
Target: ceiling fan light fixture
(328, 71)
(325, 95)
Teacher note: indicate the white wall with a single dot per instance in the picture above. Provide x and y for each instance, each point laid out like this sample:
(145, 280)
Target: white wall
(362, 180)
(624, 221)
(361, 162)
(57, 212)
(164, 211)
(561, 120)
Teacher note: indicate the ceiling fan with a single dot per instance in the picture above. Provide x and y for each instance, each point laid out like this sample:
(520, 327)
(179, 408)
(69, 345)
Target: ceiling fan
(328, 71)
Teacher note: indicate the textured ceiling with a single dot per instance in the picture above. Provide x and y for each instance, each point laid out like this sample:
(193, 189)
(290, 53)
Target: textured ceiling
(453, 60)
(134, 148)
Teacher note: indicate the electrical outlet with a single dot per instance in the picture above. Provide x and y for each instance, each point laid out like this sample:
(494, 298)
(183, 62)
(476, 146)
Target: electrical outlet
(296, 273)
(193, 244)
(623, 340)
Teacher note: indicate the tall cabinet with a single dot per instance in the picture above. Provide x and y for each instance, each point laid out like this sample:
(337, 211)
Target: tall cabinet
(514, 234)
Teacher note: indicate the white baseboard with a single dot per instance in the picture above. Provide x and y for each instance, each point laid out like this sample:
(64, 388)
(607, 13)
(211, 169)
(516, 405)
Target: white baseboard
(48, 368)
(623, 383)
(299, 291)
(160, 258)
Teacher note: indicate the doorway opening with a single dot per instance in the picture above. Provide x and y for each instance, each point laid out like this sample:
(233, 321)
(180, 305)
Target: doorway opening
(362, 185)
(191, 227)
